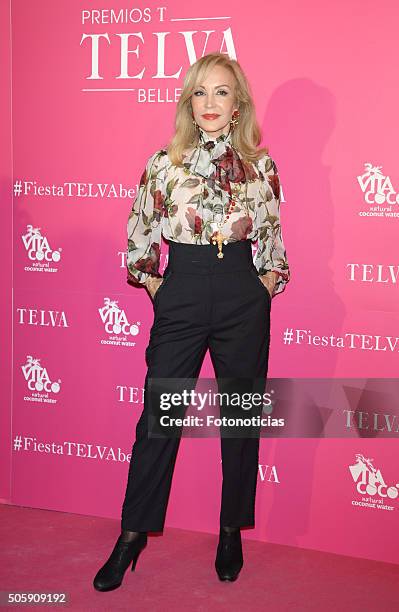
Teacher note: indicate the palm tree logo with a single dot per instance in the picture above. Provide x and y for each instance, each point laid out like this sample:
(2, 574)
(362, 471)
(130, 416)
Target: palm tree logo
(364, 470)
(110, 311)
(372, 177)
(32, 369)
(32, 237)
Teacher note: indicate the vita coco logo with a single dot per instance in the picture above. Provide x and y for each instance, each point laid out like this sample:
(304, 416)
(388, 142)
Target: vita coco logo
(371, 485)
(116, 324)
(39, 251)
(38, 382)
(378, 193)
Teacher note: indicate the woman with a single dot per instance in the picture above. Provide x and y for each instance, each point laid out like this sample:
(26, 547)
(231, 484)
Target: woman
(210, 193)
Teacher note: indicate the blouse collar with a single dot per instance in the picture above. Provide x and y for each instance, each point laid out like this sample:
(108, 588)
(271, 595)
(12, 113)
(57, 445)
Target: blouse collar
(204, 137)
(204, 157)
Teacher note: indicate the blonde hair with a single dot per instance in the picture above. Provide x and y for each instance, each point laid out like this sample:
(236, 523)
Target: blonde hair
(246, 134)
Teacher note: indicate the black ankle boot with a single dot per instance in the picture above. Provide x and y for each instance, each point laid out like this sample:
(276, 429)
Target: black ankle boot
(111, 574)
(229, 559)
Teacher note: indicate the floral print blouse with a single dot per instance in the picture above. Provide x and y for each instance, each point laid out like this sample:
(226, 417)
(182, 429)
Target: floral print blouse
(185, 203)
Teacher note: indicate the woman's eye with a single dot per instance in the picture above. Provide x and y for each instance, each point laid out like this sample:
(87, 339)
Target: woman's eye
(222, 91)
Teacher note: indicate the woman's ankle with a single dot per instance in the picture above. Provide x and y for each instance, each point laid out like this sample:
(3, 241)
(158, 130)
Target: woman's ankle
(129, 536)
(229, 529)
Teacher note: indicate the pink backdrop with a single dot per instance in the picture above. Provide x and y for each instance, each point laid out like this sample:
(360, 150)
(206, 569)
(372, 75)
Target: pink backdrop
(80, 121)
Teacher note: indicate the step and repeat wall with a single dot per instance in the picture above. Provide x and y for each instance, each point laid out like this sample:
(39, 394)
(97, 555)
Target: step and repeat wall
(92, 94)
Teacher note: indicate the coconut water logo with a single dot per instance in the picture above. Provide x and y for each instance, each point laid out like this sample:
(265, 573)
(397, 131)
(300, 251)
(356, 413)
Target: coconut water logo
(39, 252)
(39, 382)
(376, 493)
(378, 192)
(117, 325)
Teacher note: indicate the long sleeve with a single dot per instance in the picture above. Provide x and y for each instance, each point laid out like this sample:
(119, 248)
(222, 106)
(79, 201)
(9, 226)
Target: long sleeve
(271, 254)
(144, 223)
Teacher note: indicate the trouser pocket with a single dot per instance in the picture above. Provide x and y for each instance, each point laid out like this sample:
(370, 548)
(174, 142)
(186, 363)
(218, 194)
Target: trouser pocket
(265, 289)
(162, 286)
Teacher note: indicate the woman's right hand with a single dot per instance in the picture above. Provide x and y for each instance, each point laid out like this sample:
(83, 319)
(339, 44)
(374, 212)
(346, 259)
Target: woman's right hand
(153, 283)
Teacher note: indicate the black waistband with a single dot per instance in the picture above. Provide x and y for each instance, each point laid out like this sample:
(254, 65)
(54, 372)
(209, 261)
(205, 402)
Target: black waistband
(203, 259)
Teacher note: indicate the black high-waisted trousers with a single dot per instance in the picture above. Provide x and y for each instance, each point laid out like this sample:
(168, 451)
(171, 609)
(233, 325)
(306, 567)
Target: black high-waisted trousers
(204, 302)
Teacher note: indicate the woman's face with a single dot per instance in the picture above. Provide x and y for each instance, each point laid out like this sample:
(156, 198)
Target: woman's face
(215, 96)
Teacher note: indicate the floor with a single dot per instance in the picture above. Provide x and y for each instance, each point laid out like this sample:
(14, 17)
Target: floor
(48, 551)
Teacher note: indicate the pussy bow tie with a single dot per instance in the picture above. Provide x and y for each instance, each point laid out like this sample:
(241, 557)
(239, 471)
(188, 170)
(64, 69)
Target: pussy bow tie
(217, 161)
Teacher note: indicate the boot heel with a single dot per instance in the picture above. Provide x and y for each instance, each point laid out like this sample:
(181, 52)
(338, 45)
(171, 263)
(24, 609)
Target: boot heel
(137, 554)
(135, 561)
